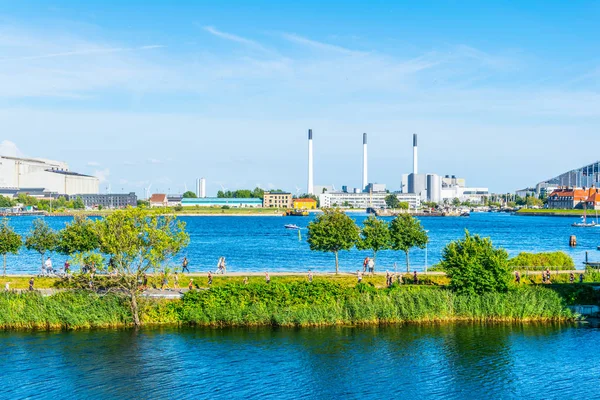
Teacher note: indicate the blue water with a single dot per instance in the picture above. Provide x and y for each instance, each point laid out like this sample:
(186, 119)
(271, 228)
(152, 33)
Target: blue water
(455, 361)
(262, 243)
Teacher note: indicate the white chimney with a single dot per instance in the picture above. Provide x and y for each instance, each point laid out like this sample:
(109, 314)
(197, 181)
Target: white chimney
(310, 189)
(197, 187)
(415, 160)
(202, 193)
(365, 179)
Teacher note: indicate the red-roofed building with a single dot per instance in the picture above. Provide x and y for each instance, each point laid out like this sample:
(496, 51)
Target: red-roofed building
(593, 200)
(159, 200)
(569, 198)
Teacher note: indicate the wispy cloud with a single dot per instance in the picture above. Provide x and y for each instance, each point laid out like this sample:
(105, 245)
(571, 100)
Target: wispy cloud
(102, 175)
(234, 38)
(93, 164)
(291, 37)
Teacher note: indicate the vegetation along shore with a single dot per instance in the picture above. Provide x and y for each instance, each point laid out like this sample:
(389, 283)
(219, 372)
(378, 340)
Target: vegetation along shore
(123, 254)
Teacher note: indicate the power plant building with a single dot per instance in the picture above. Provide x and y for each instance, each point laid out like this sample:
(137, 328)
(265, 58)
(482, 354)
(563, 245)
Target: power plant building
(53, 177)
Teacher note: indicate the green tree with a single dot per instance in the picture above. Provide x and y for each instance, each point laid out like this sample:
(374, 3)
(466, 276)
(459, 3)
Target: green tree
(391, 200)
(475, 266)
(456, 202)
(189, 195)
(78, 204)
(534, 202)
(10, 241)
(375, 236)
(41, 238)
(138, 239)
(78, 239)
(6, 202)
(243, 194)
(406, 232)
(258, 193)
(332, 232)
(403, 205)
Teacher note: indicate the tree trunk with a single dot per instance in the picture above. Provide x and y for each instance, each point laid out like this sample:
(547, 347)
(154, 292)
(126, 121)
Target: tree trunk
(407, 262)
(42, 261)
(134, 310)
(337, 268)
(374, 260)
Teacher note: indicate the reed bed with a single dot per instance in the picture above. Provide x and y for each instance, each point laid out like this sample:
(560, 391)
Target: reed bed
(293, 303)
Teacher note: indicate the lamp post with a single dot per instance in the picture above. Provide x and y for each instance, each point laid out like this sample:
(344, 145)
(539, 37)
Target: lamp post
(426, 252)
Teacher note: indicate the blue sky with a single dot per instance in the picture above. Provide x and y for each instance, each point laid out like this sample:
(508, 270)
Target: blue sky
(149, 93)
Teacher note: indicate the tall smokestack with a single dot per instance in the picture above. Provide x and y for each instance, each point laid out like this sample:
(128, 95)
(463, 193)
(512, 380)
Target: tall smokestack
(415, 160)
(310, 189)
(365, 179)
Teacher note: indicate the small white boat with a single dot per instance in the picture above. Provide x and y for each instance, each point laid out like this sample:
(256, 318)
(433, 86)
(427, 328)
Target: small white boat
(584, 223)
(291, 226)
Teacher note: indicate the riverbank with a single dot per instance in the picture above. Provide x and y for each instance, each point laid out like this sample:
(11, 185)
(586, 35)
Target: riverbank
(295, 303)
(532, 212)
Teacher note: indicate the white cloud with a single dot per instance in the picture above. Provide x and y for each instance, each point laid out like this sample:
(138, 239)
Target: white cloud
(154, 161)
(315, 45)
(93, 164)
(234, 38)
(102, 174)
(10, 149)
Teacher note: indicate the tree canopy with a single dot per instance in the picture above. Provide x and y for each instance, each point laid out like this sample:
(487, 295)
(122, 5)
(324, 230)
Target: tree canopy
(332, 231)
(10, 241)
(391, 200)
(375, 236)
(41, 238)
(189, 195)
(475, 266)
(406, 232)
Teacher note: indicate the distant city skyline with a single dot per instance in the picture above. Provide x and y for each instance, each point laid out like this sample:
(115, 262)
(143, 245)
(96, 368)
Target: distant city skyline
(139, 94)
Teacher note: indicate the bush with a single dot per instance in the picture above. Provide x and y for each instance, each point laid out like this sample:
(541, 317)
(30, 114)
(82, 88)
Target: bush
(474, 266)
(225, 208)
(557, 259)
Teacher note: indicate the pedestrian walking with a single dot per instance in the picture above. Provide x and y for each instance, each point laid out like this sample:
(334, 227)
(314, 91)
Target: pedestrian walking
(388, 279)
(310, 275)
(267, 278)
(517, 277)
(371, 266)
(175, 280)
(165, 282)
(184, 265)
(571, 277)
(365, 264)
(400, 279)
(359, 276)
(31, 282)
(191, 284)
(67, 267)
(209, 278)
(416, 278)
(580, 278)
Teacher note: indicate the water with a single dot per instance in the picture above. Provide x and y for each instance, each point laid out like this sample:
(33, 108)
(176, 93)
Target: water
(261, 243)
(441, 362)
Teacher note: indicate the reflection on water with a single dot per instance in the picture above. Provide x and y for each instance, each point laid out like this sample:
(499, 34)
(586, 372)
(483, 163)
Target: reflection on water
(435, 361)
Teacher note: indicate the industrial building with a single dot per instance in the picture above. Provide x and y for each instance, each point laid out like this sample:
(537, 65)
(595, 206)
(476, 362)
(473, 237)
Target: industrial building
(111, 200)
(583, 177)
(22, 174)
(222, 201)
(277, 200)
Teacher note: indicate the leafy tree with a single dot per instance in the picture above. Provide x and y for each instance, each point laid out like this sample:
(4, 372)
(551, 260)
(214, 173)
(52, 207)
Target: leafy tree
(42, 238)
(78, 239)
(332, 231)
(403, 205)
(258, 193)
(243, 194)
(391, 200)
(143, 203)
(375, 236)
(78, 204)
(6, 202)
(189, 195)
(456, 202)
(138, 239)
(475, 266)
(534, 202)
(10, 241)
(406, 232)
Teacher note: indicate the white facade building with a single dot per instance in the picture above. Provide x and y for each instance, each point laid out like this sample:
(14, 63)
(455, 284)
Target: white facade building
(473, 195)
(365, 200)
(51, 176)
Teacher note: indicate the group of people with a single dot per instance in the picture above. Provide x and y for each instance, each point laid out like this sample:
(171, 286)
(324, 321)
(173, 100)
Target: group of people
(368, 264)
(546, 277)
(389, 278)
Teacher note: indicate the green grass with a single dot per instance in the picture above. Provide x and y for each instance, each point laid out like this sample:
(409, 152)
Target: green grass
(539, 261)
(545, 211)
(292, 303)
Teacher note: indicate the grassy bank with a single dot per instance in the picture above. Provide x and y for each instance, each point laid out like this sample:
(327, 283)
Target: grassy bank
(282, 304)
(552, 212)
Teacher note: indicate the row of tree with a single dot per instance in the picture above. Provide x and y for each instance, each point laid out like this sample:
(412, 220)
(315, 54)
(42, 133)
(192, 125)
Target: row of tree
(334, 231)
(135, 240)
(42, 204)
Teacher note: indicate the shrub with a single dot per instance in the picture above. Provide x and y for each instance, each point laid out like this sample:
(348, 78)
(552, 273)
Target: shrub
(557, 259)
(474, 266)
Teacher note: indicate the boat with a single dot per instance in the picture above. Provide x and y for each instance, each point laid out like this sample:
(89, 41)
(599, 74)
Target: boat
(465, 214)
(297, 213)
(291, 226)
(584, 223)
